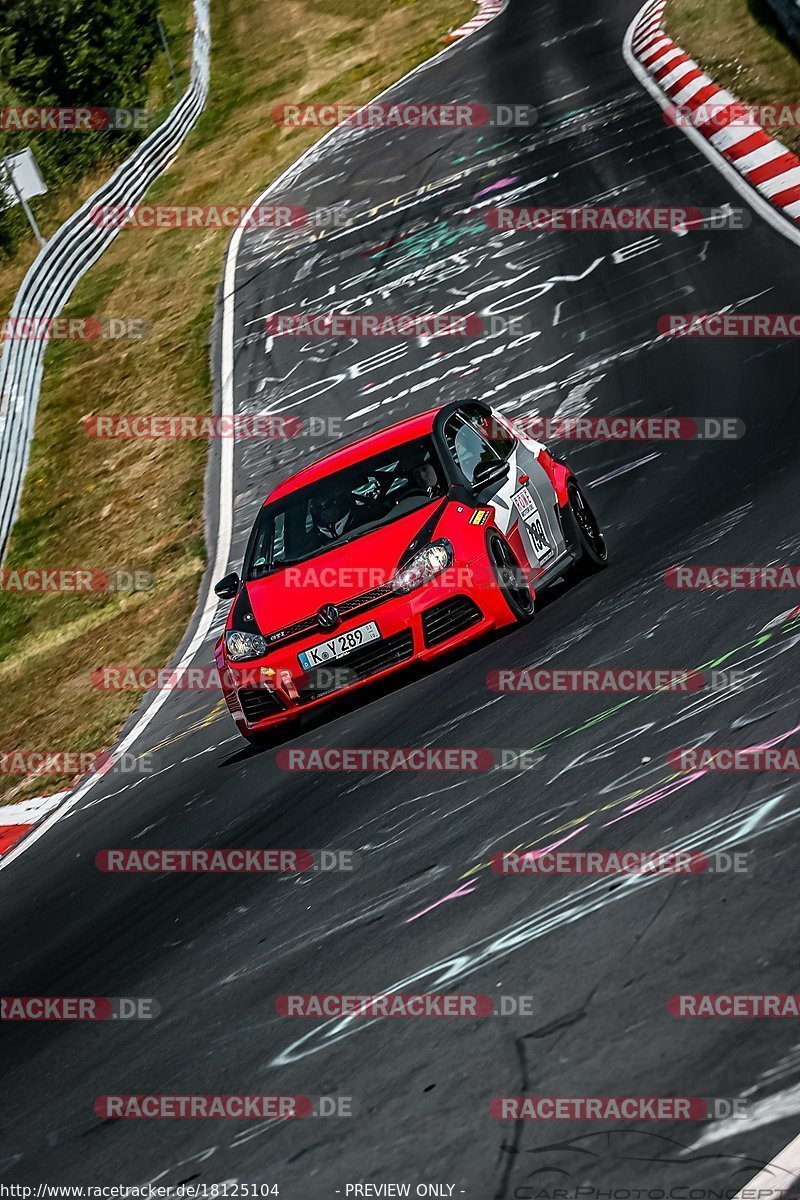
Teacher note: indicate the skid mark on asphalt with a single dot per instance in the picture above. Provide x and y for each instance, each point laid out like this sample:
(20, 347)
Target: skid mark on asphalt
(752, 821)
(623, 470)
(373, 908)
(391, 825)
(790, 632)
(467, 887)
(502, 288)
(759, 651)
(754, 654)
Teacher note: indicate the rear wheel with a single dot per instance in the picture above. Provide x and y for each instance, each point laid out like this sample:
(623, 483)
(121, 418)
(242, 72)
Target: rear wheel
(510, 577)
(591, 543)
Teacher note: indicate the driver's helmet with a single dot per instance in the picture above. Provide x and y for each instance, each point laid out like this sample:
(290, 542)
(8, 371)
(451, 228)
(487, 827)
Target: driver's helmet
(425, 477)
(332, 513)
(417, 470)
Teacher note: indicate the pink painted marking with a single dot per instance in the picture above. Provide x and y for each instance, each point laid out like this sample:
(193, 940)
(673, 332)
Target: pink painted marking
(464, 890)
(494, 186)
(469, 885)
(677, 784)
(554, 845)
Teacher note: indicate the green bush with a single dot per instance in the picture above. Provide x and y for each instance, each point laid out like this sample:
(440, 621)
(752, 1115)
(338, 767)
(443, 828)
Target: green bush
(86, 53)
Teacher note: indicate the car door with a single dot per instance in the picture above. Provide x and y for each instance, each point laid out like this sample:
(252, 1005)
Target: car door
(524, 502)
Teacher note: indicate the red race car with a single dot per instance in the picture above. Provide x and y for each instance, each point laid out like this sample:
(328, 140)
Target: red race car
(393, 550)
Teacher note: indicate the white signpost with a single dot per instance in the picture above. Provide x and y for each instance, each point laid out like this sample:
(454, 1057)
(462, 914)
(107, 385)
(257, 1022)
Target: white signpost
(20, 179)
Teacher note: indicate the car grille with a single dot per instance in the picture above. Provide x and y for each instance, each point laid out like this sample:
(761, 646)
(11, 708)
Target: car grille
(355, 604)
(258, 703)
(445, 620)
(352, 668)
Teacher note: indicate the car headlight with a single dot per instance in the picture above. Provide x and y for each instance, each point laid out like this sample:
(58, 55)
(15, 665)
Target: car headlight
(241, 646)
(430, 562)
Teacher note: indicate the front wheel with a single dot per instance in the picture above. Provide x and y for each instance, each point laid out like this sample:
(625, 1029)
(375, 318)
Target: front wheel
(593, 554)
(510, 578)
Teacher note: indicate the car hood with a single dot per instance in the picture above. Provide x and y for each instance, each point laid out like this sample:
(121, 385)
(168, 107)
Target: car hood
(334, 575)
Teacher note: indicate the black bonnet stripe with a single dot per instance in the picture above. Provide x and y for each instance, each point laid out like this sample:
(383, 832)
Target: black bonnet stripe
(424, 535)
(242, 616)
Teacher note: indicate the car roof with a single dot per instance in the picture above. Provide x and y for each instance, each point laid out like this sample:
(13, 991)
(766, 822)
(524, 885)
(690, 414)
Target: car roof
(355, 452)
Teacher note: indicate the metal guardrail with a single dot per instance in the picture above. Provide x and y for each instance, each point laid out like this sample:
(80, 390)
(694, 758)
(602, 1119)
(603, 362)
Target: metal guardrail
(69, 254)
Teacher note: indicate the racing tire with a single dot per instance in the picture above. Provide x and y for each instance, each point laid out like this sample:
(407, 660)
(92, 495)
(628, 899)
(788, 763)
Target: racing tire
(591, 544)
(509, 577)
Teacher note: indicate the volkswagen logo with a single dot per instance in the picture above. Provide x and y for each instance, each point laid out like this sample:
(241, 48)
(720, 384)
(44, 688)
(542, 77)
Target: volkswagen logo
(328, 616)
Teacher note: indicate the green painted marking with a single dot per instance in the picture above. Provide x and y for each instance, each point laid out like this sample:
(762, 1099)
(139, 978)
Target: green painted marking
(760, 640)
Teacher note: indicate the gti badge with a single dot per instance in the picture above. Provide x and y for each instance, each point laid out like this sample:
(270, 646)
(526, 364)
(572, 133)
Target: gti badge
(328, 616)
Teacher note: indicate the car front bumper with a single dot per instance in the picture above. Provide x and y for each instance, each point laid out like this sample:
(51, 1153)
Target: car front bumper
(414, 628)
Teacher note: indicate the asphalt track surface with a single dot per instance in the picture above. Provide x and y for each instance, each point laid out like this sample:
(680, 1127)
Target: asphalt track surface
(600, 957)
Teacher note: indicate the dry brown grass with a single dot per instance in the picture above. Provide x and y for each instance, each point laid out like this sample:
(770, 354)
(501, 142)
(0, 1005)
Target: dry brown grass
(132, 502)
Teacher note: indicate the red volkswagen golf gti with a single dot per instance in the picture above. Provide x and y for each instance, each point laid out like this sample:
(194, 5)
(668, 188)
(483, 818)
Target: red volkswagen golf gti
(393, 550)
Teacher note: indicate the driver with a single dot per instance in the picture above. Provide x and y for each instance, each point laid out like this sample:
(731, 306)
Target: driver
(426, 478)
(333, 515)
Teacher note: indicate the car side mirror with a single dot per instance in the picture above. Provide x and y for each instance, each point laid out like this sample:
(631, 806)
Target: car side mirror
(227, 588)
(488, 473)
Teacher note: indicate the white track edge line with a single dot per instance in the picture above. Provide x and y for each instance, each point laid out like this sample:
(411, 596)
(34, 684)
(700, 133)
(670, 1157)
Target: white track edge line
(788, 1160)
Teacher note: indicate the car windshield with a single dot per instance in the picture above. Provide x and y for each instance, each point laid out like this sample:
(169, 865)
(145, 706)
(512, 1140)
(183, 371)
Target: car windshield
(344, 506)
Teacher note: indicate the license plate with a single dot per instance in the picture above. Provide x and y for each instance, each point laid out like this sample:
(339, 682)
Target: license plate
(527, 509)
(339, 646)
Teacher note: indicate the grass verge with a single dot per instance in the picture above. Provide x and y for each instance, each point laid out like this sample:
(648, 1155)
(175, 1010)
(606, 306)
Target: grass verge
(741, 45)
(133, 503)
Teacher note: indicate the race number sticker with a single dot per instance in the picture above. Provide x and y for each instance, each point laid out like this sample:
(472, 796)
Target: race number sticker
(526, 507)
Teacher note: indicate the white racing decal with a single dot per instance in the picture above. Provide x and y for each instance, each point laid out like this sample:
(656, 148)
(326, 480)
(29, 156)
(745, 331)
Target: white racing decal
(529, 512)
